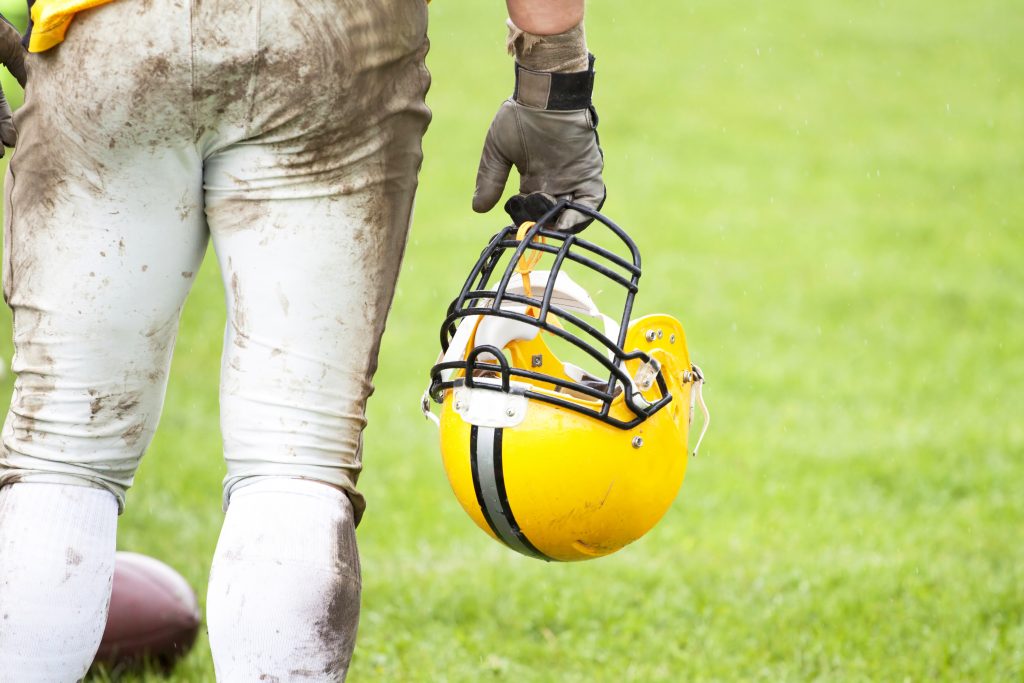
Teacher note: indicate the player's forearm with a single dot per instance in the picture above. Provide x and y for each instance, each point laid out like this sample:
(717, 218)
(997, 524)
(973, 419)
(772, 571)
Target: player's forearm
(547, 35)
(545, 17)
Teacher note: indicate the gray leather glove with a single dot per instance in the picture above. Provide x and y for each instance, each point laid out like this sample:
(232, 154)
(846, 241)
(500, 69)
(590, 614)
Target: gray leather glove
(548, 131)
(12, 55)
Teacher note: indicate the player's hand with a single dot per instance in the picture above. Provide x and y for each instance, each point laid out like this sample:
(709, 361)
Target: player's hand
(12, 55)
(548, 131)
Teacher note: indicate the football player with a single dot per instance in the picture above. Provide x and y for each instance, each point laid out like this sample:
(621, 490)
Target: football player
(287, 132)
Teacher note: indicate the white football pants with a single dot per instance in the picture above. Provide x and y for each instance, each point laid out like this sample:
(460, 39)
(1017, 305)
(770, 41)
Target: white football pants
(288, 131)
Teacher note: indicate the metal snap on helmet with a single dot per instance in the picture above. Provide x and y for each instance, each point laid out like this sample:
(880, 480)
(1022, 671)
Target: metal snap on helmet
(556, 460)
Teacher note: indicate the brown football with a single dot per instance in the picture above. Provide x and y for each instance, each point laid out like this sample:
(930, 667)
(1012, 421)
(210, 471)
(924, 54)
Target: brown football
(153, 616)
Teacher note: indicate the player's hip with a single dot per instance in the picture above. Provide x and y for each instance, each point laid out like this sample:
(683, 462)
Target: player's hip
(148, 73)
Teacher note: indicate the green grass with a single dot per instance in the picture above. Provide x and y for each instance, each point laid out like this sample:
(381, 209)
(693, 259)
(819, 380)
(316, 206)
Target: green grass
(830, 199)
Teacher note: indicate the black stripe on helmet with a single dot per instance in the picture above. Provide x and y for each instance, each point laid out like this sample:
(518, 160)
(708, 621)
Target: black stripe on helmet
(489, 484)
(506, 508)
(475, 467)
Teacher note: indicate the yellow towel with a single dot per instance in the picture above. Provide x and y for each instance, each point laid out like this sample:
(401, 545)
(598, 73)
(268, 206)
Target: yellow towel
(51, 18)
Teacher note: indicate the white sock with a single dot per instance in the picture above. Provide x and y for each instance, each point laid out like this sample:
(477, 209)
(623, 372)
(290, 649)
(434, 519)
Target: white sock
(57, 545)
(283, 601)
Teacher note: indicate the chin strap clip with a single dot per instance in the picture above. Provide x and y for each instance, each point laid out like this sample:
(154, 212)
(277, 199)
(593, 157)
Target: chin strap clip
(427, 412)
(646, 374)
(697, 396)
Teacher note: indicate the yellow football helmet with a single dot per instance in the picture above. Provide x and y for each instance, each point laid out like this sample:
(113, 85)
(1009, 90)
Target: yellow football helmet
(546, 457)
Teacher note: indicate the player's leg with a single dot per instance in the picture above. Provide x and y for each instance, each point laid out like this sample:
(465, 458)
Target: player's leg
(309, 221)
(56, 565)
(104, 229)
(284, 588)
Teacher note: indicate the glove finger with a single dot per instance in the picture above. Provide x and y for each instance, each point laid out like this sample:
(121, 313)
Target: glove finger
(516, 209)
(8, 133)
(491, 176)
(12, 53)
(574, 221)
(528, 207)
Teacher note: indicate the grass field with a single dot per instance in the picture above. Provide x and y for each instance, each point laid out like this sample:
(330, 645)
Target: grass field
(830, 196)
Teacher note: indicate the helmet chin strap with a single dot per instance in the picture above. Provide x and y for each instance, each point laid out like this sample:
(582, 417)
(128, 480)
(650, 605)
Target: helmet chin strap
(697, 395)
(526, 264)
(425, 405)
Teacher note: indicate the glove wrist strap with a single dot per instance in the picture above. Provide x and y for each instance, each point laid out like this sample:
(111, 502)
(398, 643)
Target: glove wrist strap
(554, 91)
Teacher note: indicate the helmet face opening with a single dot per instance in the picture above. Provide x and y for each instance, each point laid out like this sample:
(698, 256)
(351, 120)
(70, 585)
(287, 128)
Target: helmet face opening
(493, 337)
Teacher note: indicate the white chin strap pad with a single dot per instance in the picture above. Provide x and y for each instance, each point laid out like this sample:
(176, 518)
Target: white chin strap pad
(566, 295)
(500, 332)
